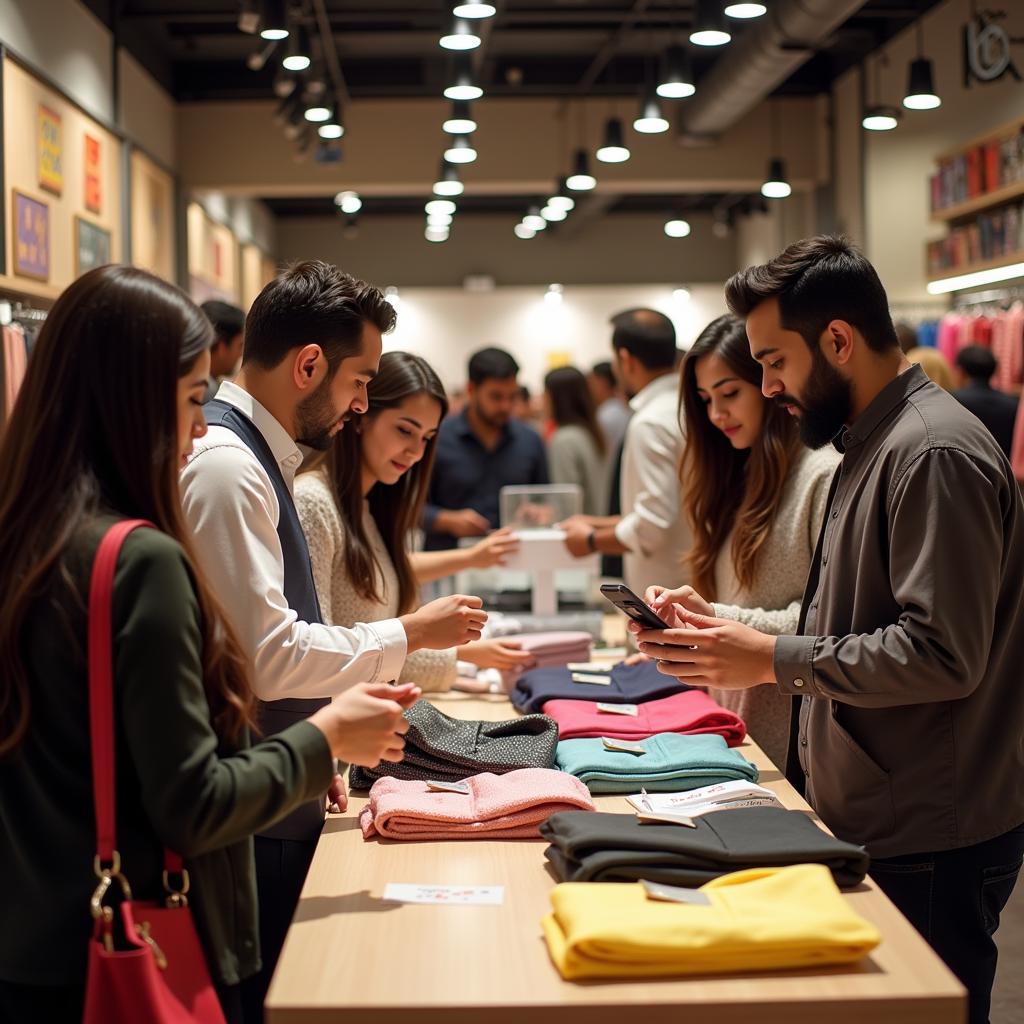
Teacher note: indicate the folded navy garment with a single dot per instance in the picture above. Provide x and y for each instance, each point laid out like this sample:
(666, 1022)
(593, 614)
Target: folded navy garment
(628, 684)
(590, 847)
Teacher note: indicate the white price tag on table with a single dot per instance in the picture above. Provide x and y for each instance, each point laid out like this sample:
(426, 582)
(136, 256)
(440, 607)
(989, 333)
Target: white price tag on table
(453, 895)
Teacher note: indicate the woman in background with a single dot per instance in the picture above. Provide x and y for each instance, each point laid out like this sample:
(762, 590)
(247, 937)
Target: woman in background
(359, 507)
(577, 451)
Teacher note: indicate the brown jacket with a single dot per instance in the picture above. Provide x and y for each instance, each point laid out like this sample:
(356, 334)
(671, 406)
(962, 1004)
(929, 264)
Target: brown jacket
(911, 733)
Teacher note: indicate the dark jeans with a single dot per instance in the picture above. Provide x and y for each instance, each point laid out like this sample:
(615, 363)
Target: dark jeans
(954, 899)
(281, 866)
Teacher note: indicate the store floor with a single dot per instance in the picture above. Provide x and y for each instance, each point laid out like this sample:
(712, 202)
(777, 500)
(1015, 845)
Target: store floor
(1008, 996)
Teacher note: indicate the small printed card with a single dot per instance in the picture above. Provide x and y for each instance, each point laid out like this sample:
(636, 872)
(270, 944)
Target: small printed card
(675, 894)
(650, 818)
(618, 709)
(588, 666)
(624, 746)
(453, 895)
(448, 787)
(583, 677)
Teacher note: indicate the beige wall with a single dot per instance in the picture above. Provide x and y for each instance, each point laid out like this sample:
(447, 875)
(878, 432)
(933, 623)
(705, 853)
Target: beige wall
(22, 96)
(848, 168)
(152, 217)
(613, 249)
(899, 163)
(147, 111)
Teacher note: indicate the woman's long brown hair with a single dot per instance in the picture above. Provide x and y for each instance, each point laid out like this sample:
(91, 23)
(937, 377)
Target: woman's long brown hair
(395, 507)
(572, 404)
(94, 431)
(723, 488)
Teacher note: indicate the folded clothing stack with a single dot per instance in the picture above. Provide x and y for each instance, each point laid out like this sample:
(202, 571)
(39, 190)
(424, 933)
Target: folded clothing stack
(508, 806)
(626, 684)
(548, 649)
(760, 919)
(443, 748)
(691, 713)
(669, 762)
(621, 848)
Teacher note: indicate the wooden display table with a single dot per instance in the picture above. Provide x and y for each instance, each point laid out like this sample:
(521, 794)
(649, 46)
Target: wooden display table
(352, 957)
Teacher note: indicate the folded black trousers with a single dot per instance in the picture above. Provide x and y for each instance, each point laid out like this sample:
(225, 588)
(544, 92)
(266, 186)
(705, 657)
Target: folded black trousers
(591, 847)
(449, 750)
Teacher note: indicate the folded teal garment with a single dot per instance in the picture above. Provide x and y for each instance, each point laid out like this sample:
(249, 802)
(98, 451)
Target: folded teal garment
(670, 763)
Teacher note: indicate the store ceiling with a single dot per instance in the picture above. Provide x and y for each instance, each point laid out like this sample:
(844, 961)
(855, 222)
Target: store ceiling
(389, 48)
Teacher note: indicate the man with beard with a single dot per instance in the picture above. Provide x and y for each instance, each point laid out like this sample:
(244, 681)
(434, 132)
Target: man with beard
(312, 343)
(908, 734)
(479, 451)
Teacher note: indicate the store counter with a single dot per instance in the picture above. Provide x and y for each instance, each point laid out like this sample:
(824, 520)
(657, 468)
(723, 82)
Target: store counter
(352, 957)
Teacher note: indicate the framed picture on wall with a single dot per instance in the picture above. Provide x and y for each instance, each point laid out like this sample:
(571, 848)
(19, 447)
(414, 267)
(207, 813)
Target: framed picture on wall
(50, 145)
(93, 181)
(31, 220)
(92, 246)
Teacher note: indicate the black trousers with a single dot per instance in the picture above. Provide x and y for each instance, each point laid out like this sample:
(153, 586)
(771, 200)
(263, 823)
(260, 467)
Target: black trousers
(281, 866)
(954, 899)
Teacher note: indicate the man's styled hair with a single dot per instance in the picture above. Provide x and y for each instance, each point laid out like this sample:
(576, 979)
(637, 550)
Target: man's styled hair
(817, 280)
(228, 321)
(647, 335)
(492, 364)
(977, 362)
(313, 303)
(605, 372)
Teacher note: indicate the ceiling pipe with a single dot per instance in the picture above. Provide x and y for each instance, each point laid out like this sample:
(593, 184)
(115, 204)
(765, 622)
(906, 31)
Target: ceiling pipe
(761, 60)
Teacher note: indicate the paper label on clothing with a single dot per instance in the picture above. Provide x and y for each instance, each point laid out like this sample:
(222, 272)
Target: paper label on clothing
(652, 818)
(624, 746)
(448, 787)
(618, 709)
(588, 666)
(453, 895)
(723, 796)
(675, 894)
(581, 677)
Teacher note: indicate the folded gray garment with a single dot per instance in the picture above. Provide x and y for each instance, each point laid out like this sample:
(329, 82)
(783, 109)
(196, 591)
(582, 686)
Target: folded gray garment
(589, 847)
(448, 749)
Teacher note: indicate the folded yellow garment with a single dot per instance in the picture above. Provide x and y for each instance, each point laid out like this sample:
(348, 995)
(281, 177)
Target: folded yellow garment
(761, 919)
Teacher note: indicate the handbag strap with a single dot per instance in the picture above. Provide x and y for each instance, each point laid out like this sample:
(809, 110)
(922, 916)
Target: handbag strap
(101, 695)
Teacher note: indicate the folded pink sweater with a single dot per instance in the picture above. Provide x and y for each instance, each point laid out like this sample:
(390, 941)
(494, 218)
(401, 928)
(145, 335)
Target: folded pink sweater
(508, 806)
(548, 650)
(691, 712)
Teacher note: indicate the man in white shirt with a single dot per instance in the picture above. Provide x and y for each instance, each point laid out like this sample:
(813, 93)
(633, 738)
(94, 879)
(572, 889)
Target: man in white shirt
(652, 533)
(312, 343)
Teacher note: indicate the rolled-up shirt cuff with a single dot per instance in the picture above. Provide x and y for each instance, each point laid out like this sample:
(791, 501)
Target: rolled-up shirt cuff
(793, 663)
(394, 648)
(626, 530)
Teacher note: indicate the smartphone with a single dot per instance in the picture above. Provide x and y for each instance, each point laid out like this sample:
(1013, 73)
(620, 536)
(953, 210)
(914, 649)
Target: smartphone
(639, 611)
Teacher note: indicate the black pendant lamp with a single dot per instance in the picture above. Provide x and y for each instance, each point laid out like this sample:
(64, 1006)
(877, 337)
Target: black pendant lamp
(675, 77)
(613, 150)
(921, 94)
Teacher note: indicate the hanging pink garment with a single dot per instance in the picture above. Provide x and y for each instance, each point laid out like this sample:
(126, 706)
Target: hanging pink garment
(1008, 348)
(949, 336)
(15, 365)
(510, 806)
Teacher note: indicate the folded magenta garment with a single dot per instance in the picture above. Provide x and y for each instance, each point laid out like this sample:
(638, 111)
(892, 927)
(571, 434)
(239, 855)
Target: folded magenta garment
(626, 684)
(508, 806)
(669, 763)
(691, 713)
(548, 650)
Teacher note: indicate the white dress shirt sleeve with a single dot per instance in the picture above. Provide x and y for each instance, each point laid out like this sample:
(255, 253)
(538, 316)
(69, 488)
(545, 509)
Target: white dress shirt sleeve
(655, 451)
(230, 504)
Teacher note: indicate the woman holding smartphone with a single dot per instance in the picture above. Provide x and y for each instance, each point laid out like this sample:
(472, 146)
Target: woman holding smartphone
(104, 421)
(755, 498)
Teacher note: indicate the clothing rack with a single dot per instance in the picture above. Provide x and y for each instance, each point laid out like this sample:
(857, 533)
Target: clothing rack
(18, 310)
(992, 296)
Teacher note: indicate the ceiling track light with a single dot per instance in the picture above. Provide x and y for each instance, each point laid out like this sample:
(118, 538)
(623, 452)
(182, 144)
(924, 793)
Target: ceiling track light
(561, 199)
(461, 150)
(462, 36)
(534, 220)
(675, 78)
(650, 120)
(554, 214)
(709, 28)
(448, 183)
(745, 12)
(248, 17)
(332, 128)
(524, 232)
(317, 111)
(436, 233)
(677, 227)
(436, 206)
(348, 202)
(461, 121)
(921, 94)
(273, 22)
(473, 9)
(776, 185)
(613, 150)
(284, 84)
(581, 180)
(297, 50)
(463, 83)
(880, 118)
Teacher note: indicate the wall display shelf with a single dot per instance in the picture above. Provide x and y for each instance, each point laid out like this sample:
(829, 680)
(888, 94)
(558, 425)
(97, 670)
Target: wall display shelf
(1006, 194)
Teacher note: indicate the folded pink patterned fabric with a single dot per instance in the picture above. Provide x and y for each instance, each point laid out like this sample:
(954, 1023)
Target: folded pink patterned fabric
(690, 713)
(511, 806)
(549, 650)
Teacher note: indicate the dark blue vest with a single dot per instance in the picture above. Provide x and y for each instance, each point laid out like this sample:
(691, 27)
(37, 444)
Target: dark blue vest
(274, 716)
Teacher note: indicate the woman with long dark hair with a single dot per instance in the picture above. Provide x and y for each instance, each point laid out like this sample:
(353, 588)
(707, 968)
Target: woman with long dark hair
(577, 450)
(360, 505)
(104, 421)
(755, 498)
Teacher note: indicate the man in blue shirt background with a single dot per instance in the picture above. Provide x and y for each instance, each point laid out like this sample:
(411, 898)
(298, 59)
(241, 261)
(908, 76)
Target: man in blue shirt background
(479, 451)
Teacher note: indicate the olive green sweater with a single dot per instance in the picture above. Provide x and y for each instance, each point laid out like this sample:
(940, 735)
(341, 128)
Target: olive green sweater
(176, 785)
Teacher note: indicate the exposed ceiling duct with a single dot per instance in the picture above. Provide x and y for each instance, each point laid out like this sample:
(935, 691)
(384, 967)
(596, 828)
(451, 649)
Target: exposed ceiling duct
(761, 61)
